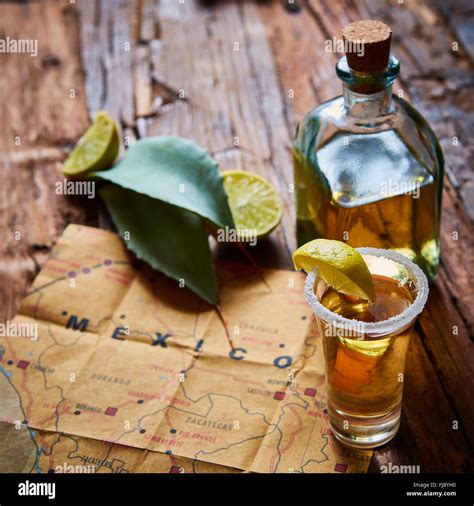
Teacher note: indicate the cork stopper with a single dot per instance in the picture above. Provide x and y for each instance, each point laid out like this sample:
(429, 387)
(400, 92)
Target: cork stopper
(367, 44)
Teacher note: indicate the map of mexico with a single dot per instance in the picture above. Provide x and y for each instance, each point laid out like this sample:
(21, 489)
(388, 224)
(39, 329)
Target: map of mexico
(130, 372)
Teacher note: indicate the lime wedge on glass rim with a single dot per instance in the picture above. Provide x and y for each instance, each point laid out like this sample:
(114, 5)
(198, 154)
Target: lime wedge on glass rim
(254, 202)
(96, 150)
(341, 267)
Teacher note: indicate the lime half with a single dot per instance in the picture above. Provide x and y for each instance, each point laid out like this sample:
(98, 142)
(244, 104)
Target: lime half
(341, 267)
(254, 202)
(96, 149)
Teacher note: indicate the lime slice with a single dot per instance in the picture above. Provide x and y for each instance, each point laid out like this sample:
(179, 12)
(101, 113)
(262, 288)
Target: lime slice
(254, 202)
(96, 149)
(341, 267)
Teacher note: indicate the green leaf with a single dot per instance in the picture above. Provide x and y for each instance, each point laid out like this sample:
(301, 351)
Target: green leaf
(170, 239)
(177, 171)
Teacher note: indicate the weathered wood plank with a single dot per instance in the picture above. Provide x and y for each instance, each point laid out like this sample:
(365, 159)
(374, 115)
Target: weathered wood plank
(459, 15)
(107, 49)
(142, 82)
(297, 44)
(149, 25)
(42, 112)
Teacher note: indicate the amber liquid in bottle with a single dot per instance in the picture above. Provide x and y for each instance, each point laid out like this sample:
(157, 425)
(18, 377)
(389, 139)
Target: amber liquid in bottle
(407, 222)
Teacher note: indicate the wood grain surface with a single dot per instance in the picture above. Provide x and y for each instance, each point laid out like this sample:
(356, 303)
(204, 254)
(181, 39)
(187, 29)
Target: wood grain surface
(237, 77)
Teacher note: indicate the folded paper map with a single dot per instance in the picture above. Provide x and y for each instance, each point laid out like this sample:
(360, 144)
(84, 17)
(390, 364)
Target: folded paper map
(112, 367)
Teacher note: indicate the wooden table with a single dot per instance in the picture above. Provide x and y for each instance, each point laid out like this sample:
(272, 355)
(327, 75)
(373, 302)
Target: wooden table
(221, 71)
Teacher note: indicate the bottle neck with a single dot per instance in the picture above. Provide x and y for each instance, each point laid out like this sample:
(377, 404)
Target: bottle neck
(367, 95)
(367, 105)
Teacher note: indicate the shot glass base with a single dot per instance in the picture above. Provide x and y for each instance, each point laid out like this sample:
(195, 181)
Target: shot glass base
(364, 432)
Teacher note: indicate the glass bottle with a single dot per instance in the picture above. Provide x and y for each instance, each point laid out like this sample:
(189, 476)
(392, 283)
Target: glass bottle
(369, 170)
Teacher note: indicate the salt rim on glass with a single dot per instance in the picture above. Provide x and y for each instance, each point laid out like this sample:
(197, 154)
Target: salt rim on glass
(381, 327)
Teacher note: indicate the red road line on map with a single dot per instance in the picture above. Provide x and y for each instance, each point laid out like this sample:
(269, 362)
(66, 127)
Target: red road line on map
(22, 384)
(28, 394)
(42, 422)
(291, 438)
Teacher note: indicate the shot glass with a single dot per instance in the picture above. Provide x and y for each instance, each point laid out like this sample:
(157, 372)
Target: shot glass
(365, 346)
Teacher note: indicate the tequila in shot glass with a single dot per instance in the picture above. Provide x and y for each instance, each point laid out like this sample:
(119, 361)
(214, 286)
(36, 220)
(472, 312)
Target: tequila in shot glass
(365, 346)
